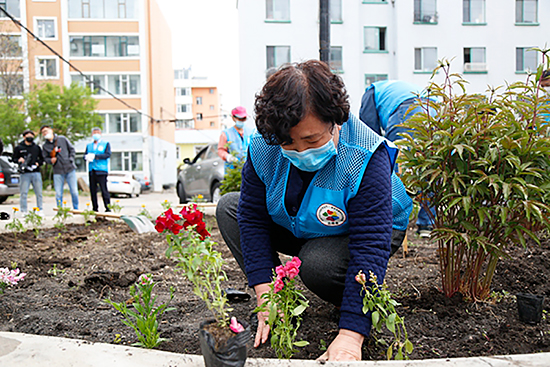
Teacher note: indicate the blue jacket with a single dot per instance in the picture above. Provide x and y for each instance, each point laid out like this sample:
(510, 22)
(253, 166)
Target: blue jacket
(238, 145)
(102, 151)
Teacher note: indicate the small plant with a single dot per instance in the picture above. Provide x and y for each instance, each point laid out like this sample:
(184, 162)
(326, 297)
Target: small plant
(166, 205)
(63, 213)
(378, 300)
(10, 277)
(145, 212)
(199, 198)
(232, 179)
(285, 304)
(115, 207)
(144, 319)
(55, 271)
(15, 225)
(89, 215)
(34, 219)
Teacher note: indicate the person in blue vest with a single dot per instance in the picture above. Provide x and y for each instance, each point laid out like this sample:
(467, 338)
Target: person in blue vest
(233, 142)
(97, 154)
(317, 184)
(384, 107)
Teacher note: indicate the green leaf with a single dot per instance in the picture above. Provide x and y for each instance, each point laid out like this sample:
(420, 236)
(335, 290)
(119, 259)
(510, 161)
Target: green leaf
(390, 322)
(301, 343)
(408, 346)
(298, 310)
(375, 317)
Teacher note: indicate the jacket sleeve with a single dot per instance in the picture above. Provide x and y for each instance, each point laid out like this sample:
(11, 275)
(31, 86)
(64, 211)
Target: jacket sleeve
(106, 154)
(254, 226)
(46, 154)
(222, 150)
(371, 220)
(40, 157)
(16, 153)
(70, 149)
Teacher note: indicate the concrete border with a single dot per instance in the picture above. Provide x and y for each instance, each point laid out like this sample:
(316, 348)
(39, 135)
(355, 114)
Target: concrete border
(27, 350)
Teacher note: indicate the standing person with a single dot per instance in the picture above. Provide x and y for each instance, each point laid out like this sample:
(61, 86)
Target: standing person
(29, 157)
(384, 108)
(60, 153)
(97, 155)
(317, 184)
(233, 142)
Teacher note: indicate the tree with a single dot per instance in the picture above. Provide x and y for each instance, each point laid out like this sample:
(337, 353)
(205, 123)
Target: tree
(70, 110)
(12, 120)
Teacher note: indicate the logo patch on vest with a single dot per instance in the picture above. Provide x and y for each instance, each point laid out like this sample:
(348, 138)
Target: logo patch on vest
(330, 215)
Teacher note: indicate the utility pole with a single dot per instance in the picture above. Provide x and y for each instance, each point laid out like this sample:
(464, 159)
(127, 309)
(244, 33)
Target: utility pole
(324, 31)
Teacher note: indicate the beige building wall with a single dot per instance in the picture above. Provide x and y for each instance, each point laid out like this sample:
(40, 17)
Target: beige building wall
(209, 107)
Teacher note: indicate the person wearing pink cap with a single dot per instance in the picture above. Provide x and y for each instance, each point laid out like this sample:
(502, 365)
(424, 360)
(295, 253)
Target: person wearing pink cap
(234, 140)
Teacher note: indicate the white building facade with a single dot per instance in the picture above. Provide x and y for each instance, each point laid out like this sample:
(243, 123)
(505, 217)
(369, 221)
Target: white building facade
(489, 41)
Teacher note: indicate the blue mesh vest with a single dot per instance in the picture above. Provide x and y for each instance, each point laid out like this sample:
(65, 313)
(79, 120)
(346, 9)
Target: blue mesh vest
(323, 211)
(238, 145)
(98, 164)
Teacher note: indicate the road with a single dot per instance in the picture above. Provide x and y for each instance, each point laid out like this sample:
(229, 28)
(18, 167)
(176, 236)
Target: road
(130, 206)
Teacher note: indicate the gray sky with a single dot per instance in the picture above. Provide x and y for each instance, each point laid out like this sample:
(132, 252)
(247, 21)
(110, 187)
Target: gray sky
(205, 36)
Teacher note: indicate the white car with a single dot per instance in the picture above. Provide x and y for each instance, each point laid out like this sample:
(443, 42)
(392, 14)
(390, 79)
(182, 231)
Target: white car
(123, 183)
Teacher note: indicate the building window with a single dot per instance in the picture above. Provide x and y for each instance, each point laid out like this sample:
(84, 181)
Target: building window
(178, 152)
(277, 56)
(183, 91)
(212, 124)
(12, 85)
(103, 9)
(185, 124)
(526, 11)
(211, 91)
(425, 11)
(126, 161)
(199, 116)
(183, 108)
(526, 59)
(211, 107)
(96, 83)
(198, 100)
(181, 74)
(10, 46)
(336, 59)
(425, 59)
(104, 46)
(124, 84)
(47, 68)
(473, 11)
(12, 7)
(474, 59)
(277, 10)
(373, 78)
(46, 29)
(375, 39)
(336, 11)
(123, 123)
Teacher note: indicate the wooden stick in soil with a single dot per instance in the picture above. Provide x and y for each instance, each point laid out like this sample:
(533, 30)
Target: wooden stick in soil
(105, 215)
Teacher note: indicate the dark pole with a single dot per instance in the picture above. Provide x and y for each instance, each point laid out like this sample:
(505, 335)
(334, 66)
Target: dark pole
(324, 30)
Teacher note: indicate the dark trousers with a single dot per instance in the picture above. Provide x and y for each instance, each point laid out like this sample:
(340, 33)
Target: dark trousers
(99, 177)
(324, 260)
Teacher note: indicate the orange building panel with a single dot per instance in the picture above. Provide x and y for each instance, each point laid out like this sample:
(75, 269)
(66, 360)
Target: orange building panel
(113, 104)
(101, 27)
(96, 65)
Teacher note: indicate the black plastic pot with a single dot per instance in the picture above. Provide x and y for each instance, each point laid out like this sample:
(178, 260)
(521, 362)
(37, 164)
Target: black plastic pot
(529, 307)
(232, 354)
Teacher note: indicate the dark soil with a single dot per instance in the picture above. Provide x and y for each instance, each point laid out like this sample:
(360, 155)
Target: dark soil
(105, 258)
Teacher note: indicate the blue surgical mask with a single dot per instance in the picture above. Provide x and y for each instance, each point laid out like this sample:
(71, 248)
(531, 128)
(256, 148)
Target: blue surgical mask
(96, 137)
(313, 159)
(239, 124)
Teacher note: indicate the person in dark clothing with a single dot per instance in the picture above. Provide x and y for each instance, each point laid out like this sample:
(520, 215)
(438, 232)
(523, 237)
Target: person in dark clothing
(29, 157)
(317, 184)
(97, 155)
(60, 153)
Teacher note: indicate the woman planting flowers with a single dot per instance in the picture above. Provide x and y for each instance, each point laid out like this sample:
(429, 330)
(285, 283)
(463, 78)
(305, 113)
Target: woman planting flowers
(318, 184)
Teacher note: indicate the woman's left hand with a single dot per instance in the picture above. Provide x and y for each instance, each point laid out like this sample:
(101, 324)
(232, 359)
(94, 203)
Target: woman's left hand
(345, 347)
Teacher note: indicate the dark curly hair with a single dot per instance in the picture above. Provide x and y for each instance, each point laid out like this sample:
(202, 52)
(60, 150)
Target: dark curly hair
(295, 91)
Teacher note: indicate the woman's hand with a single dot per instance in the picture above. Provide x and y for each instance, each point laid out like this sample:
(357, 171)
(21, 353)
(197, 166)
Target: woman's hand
(263, 329)
(345, 347)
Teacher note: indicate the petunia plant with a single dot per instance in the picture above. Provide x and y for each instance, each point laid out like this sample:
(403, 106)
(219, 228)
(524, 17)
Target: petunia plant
(10, 278)
(285, 304)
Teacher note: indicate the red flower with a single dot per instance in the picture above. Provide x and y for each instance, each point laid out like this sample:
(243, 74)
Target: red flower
(167, 221)
(194, 217)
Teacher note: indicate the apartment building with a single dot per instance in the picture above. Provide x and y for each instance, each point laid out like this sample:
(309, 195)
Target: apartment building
(489, 41)
(125, 47)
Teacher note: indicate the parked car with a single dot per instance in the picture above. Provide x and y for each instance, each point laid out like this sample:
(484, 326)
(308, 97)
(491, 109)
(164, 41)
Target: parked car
(123, 183)
(9, 178)
(201, 176)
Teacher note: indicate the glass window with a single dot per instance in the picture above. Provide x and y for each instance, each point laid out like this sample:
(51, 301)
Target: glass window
(372, 78)
(199, 116)
(211, 91)
(277, 56)
(10, 46)
(198, 100)
(185, 124)
(124, 123)
(183, 91)
(45, 28)
(104, 46)
(375, 39)
(11, 85)
(425, 58)
(335, 10)
(211, 107)
(11, 6)
(277, 9)
(103, 9)
(526, 11)
(336, 58)
(183, 108)
(526, 59)
(124, 84)
(425, 11)
(126, 161)
(474, 59)
(473, 11)
(46, 68)
(95, 82)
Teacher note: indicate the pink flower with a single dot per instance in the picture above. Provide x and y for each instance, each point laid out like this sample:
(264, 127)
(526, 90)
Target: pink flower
(235, 326)
(11, 277)
(145, 279)
(292, 272)
(361, 278)
(280, 271)
(278, 285)
(292, 267)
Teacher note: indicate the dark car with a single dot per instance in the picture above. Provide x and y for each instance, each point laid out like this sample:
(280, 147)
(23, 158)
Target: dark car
(9, 178)
(201, 176)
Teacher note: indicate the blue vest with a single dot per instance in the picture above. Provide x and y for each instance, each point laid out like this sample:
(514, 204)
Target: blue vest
(323, 211)
(98, 164)
(389, 94)
(238, 145)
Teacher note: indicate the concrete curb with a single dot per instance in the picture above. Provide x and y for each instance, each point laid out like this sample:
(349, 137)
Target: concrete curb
(27, 350)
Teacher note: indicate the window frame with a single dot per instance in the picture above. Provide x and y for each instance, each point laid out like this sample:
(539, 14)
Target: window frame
(470, 22)
(522, 22)
(37, 30)
(483, 70)
(376, 77)
(198, 100)
(341, 61)
(126, 160)
(524, 50)
(122, 43)
(273, 19)
(199, 116)
(38, 67)
(435, 15)
(424, 69)
(274, 47)
(382, 38)
(340, 11)
(10, 10)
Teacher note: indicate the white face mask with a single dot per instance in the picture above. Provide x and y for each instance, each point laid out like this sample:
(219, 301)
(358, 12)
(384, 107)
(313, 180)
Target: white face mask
(49, 136)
